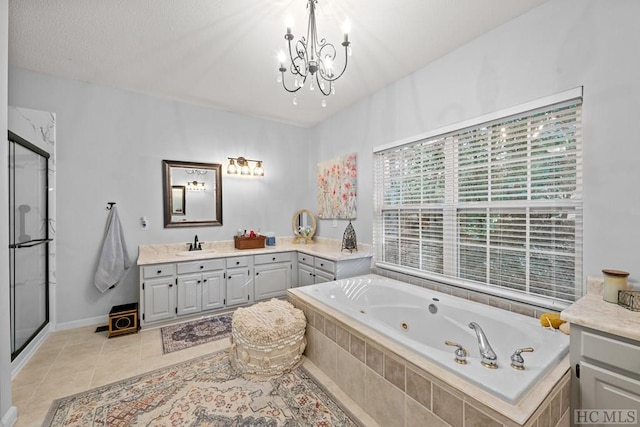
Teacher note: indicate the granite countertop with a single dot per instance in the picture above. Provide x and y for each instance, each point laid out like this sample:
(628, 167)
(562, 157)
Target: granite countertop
(593, 312)
(178, 252)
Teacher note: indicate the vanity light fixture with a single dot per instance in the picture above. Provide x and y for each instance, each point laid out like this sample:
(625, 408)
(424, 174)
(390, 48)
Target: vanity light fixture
(196, 185)
(240, 164)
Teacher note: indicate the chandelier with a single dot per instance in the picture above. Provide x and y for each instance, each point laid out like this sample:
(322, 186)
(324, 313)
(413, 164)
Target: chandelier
(313, 59)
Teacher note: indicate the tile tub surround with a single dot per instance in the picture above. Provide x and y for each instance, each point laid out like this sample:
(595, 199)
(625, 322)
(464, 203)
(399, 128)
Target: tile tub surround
(396, 387)
(322, 247)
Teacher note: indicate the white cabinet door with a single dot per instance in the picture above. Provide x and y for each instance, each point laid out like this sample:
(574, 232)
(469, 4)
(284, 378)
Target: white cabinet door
(213, 290)
(159, 299)
(189, 294)
(604, 389)
(272, 280)
(323, 276)
(239, 286)
(305, 275)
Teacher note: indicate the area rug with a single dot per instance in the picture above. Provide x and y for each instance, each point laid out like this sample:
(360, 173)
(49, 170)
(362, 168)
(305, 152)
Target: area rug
(187, 334)
(202, 392)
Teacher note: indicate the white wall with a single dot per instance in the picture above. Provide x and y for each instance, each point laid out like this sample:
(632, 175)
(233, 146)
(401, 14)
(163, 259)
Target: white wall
(557, 46)
(110, 147)
(8, 413)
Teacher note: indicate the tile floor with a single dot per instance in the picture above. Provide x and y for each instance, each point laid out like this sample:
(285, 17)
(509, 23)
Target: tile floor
(76, 360)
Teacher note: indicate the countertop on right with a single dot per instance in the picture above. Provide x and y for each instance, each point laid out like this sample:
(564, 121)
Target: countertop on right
(593, 312)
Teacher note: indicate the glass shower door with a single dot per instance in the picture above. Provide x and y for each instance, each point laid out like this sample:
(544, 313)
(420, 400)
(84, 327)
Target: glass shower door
(28, 241)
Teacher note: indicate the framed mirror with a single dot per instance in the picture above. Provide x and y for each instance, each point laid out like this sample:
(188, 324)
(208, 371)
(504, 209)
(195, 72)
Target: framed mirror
(304, 226)
(192, 194)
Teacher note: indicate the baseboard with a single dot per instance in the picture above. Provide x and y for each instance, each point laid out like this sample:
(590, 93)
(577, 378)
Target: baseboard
(91, 321)
(10, 418)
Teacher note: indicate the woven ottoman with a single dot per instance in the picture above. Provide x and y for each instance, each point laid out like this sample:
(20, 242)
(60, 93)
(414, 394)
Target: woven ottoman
(267, 339)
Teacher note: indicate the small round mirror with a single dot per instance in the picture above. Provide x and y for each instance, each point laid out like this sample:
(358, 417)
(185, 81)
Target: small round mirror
(304, 226)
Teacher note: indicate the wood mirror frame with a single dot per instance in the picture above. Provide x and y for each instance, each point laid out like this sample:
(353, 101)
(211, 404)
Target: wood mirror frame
(297, 222)
(204, 208)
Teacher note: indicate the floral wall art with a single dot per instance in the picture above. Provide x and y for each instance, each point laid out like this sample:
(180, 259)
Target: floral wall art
(337, 179)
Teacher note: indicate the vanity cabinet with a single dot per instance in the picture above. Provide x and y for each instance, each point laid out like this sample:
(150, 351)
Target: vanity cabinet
(312, 269)
(199, 286)
(272, 275)
(186, 288)
(239, 281)
(158, 292)
(605, 370)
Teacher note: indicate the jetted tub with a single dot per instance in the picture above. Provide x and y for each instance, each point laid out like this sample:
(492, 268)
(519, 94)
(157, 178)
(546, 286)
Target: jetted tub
(422, 320)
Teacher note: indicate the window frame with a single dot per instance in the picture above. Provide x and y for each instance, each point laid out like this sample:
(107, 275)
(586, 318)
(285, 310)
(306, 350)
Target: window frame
(451, 237)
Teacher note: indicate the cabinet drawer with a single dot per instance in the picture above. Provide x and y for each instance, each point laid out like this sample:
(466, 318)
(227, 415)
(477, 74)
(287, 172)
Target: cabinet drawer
(270, 258)
(614, 352)
(325, 264)
(238, 261)
(204, 265)
(159, 270)
(305, 259)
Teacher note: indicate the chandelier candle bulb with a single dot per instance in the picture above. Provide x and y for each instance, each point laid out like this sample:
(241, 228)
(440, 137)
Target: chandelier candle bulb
(614, 281)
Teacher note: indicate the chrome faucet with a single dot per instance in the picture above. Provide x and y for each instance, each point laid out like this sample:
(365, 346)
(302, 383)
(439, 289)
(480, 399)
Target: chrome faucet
(486, 352)
(195, 246)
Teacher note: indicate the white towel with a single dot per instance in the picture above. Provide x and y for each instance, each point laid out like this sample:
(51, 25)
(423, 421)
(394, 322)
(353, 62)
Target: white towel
(114, 258)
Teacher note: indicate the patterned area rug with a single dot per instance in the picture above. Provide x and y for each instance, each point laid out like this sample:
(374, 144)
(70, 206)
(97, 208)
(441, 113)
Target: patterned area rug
(185, 335)
(202, 392)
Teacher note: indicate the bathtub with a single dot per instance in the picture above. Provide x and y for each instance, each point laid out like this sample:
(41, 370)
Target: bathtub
(422, 320)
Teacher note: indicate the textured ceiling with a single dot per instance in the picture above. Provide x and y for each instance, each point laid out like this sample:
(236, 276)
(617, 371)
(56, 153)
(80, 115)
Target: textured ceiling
(222, 53)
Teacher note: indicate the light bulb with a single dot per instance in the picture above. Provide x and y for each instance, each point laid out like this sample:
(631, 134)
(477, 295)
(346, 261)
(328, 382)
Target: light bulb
(279, 79)
(324, 103)
(295, 101)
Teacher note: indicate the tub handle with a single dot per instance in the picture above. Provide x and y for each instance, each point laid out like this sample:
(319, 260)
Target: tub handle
(517, 362)
(460, 354)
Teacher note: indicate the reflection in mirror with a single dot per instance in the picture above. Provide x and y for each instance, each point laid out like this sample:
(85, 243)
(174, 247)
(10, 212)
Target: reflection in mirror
(304, 226)
(192, 194)
(178, 198)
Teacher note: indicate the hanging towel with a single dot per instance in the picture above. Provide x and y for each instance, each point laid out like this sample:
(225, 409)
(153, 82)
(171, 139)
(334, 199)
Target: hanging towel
(114, 258)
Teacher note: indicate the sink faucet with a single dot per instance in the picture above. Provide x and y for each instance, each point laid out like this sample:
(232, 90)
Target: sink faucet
(195, 246)
(488, 355)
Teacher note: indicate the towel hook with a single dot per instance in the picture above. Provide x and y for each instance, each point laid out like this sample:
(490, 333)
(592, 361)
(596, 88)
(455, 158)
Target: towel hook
(110, 205)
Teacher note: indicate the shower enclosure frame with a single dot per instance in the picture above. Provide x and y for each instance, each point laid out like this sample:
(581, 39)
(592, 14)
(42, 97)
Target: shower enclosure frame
(13, 246)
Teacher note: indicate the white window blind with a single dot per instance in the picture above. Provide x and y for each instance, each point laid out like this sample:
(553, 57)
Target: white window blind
(495, 206)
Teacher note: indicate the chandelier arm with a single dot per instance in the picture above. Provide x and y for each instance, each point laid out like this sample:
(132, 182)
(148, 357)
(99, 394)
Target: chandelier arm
(295, 69)
(346, 59)
(284, 85)
(320, 85)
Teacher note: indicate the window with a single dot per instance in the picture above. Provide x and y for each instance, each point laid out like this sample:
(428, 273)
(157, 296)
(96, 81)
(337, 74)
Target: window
(494, 204)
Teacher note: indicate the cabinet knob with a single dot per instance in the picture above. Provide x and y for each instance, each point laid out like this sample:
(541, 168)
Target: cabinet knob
(321, 265)
(274, 258)
(159, 271)
(237, 262)
(204, 280)
(201, 267)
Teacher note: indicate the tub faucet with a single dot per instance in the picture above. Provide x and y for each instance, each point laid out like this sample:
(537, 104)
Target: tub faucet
(488, 355)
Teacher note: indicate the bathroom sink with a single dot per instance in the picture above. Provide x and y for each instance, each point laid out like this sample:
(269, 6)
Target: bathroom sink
(195, 253)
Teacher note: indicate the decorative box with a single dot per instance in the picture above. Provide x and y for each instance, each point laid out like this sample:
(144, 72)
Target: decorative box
(249, 242)
(629, 300)
(123, 319)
